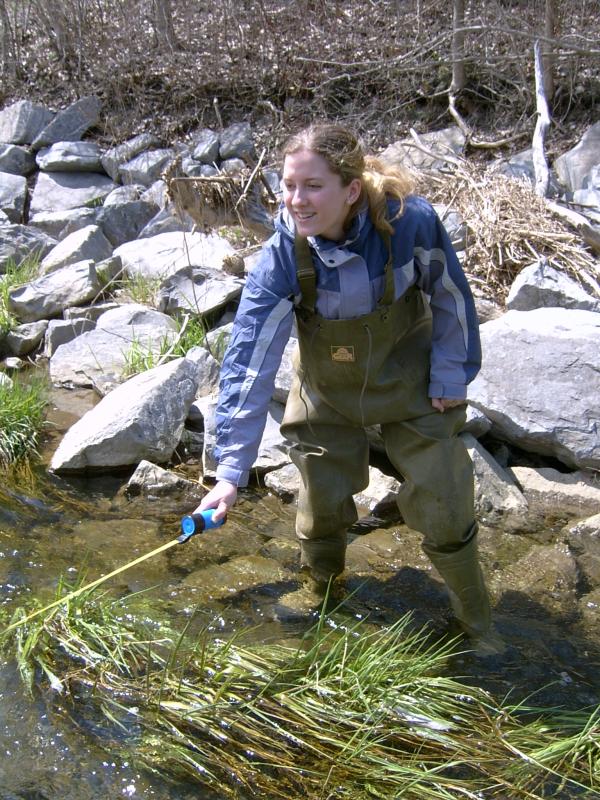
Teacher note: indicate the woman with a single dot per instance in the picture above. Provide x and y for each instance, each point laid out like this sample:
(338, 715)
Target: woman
(388, 335)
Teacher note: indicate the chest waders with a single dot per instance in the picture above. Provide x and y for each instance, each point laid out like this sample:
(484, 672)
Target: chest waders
(374, 369)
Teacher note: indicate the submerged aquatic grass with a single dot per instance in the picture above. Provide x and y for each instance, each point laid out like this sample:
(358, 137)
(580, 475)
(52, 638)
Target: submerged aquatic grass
(353, 712)
(22, 411)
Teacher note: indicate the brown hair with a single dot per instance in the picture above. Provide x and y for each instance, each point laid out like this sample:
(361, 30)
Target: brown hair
(345, 156)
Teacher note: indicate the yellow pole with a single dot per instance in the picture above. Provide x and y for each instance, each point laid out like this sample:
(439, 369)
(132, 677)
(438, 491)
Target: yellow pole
(91, 585)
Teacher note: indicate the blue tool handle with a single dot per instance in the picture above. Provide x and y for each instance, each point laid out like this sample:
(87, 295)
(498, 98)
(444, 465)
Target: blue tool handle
(198, 522)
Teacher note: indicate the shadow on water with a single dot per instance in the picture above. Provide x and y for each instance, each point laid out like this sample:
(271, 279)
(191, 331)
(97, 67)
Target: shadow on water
(82, 528)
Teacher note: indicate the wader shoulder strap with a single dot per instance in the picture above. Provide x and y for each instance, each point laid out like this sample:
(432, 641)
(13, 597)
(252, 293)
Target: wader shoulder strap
(305, 271)
(389, 292)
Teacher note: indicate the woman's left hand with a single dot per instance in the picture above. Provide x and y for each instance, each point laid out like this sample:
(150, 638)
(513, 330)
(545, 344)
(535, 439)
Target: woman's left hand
(442, 403)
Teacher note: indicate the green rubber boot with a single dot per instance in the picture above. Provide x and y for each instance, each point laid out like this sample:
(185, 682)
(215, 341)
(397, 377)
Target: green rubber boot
(469, 598)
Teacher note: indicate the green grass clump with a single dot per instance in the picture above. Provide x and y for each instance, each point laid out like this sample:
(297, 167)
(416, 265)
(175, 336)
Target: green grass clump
(14, 275)
(22, 405)
(141, 357)
(352, 712)
(139, 288)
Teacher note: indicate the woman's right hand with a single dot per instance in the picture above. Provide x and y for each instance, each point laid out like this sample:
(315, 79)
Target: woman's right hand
(221, 497)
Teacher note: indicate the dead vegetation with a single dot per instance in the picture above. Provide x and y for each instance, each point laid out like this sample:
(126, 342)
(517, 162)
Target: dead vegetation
(508, 228)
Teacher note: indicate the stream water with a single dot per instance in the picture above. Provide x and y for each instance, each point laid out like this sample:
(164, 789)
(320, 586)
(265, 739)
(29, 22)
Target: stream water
(81, 528)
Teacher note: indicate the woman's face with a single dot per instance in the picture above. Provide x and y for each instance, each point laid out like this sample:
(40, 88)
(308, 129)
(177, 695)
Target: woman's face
(315, 196)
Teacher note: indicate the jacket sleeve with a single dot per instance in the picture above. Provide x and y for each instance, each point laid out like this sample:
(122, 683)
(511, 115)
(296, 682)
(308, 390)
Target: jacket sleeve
(455, 346)
(260, 333)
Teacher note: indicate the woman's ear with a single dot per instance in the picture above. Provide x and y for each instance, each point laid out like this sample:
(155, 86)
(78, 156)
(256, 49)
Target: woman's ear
(354, 190)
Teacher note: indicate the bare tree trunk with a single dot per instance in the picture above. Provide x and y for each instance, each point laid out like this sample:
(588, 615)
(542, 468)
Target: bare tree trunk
(458, 65)
(164, 30)
(540, 164)
(548, 57)
(458, 48)
(7, 45)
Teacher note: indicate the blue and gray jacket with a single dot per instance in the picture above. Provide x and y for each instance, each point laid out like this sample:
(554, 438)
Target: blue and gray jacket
(350, 281)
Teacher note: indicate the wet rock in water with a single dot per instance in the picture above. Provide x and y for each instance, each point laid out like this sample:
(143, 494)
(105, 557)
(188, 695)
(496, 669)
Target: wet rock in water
(150, 479)
(584, 540)
(546, 575)
(224, 581)
(216, 546)
(552, 492)
(497, 497)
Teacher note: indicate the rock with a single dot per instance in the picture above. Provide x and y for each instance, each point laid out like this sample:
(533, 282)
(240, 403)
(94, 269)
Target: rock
(21, 122)
(18, 242)
(379, 498)
(234, 576)
(59, 224)
(25, 338)
(55, 191)
(284, 482)
(558, 493)
(86, 243)
(576, 164)
(446, 142)
(13, 196)
(150, 479)
(206, 146)
(124, 221)
(146, 167)
(165, 254)
(16, 160)
(546, 575)
(497, 497)
(61, 331)
(236, 142)
(141, 419)
(199, 290)
(116, 157)
(584, 540)
(286, 372)
(70, 124)
(47, 296)
(529, 357)
(542, 286)
(98, 358)
(70, 157)
(208, 370)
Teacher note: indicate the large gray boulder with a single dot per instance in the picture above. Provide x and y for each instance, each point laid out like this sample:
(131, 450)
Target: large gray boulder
(163, 255)
(99, 358)
(119, 155)
(16, 160)
(141, 419)
(70, 157)
(18, 242)
(86, 243)
(71, 123)
(199, 290)
(13, 196)
(56, 191)
(574, 166)
(49, 295)
(542, 286)
(21, 122)
(539, 382)
(60, 224)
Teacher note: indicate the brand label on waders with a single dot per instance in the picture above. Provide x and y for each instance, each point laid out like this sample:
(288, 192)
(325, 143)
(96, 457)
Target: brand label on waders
(342, 353)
